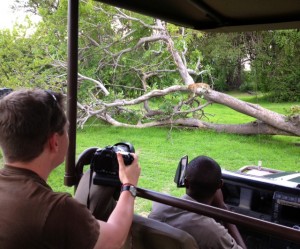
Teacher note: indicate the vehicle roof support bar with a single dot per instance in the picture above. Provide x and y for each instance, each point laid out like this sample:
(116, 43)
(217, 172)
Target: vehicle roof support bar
(73, 18)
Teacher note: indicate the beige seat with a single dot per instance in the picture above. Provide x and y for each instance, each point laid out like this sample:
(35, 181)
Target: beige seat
(147, 233)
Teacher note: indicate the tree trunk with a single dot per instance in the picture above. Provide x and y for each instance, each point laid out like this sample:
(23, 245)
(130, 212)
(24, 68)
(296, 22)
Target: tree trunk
(271, 118)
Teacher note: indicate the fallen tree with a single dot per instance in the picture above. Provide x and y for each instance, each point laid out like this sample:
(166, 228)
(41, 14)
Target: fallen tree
(267, 122)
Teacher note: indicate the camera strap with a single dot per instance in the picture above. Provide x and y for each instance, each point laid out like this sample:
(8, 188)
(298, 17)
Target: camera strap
(90, 184)
(88, 201)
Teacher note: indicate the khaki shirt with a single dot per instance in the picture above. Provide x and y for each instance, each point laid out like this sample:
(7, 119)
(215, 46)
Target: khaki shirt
(208, 233)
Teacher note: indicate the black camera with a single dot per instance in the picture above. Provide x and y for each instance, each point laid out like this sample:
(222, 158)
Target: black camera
(105, 163)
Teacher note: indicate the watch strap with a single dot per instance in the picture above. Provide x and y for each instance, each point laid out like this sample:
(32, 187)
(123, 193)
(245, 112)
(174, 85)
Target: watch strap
(129, 187)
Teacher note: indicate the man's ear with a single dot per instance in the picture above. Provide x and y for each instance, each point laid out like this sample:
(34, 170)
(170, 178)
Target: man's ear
(186, 183)
(53, 142)
(221, 183)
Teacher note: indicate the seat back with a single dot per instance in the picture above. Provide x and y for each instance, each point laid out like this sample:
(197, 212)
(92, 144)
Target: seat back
(102, 200)
(146, 233)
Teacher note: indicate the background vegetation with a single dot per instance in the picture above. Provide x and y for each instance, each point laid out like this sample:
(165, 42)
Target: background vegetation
(38, 59)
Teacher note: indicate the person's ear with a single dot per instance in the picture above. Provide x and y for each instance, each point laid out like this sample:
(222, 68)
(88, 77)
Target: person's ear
(53, 142)
(221, 183)
(186, 183)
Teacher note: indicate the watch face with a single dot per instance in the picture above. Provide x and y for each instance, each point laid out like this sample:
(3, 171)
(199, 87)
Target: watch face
(132, 190)
(129, 188)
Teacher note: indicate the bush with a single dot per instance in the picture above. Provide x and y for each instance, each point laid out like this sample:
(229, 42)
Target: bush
(248, 87)
(285, 90)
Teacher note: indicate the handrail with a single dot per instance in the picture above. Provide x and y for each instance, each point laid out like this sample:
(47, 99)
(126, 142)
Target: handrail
(266, 227)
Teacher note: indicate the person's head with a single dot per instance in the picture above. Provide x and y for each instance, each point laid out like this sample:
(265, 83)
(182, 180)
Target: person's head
(203, 178)
(28, 118)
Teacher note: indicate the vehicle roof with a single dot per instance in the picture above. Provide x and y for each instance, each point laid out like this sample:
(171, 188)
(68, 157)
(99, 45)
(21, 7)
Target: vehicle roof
(219, 15)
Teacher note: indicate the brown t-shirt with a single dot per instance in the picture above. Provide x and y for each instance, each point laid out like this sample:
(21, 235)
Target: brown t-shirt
(32, 216)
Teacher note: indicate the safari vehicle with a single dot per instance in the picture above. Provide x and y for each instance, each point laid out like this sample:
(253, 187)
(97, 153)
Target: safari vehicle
(264, 203)
(267, 195)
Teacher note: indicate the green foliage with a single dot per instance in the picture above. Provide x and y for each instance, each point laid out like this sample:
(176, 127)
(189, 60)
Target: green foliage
(224, 53)
(293, 113)
(21, 63)
(128, 117)
(39, 59)
(247, 87)
(167, 107)
(276, 64)
(295, 109)
(27, 57)
(249, 84)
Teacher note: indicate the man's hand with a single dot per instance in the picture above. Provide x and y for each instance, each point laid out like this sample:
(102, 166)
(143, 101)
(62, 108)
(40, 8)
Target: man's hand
(130, 173)
(218, 200)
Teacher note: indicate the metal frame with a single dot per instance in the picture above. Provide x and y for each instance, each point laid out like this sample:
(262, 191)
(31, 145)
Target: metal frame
(73, 20)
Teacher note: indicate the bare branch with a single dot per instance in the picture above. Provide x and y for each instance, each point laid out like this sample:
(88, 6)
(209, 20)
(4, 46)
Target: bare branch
(97, 82)
(122, 15)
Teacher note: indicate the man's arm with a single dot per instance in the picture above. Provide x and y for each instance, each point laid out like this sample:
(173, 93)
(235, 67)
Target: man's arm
(234, 232)
(218, 201)
(113, 233)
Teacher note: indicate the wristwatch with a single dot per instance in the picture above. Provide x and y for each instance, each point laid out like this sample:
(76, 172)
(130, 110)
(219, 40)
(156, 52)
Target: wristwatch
(130, 188)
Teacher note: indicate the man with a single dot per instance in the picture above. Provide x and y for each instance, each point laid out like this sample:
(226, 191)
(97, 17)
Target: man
(34, 141)
(203, 182)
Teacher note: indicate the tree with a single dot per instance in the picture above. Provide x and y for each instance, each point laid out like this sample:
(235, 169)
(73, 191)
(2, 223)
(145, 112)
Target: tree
(22, 62)
(123, 56)
(226, 53)
(275, 64)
